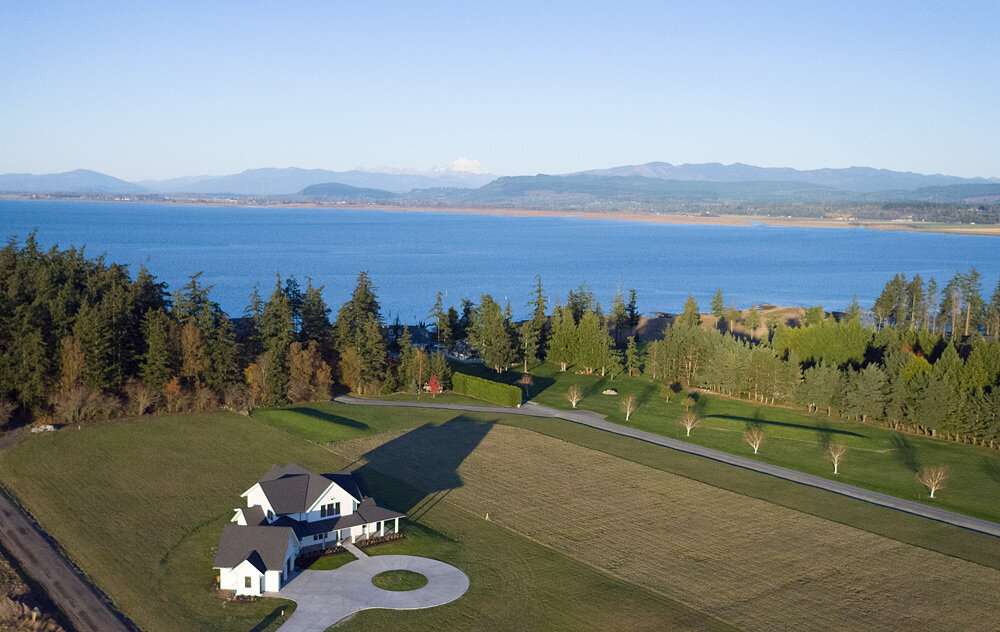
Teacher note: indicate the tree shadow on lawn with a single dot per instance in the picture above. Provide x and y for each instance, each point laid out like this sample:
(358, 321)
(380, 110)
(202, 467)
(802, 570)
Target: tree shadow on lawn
(824, 432)
(540, 385)
(991, 465)
(327, 417)
(427, 459)
(904, 452)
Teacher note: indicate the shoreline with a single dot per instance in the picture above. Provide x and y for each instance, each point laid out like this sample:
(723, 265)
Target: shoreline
(693, 220)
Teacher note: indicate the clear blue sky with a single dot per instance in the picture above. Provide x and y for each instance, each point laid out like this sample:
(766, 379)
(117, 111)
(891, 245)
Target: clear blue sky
(162, 89)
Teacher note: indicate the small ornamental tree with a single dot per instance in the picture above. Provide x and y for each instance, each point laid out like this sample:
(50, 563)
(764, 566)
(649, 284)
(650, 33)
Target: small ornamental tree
(628, 405)
(836, 453)
(434, 386)
(754, 435)
(933, 477)
(689, 420)
(574, 395)
(688, 402)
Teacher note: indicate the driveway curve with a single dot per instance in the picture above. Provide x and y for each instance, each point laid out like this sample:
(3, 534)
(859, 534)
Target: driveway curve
(597, 421)
(324, 598)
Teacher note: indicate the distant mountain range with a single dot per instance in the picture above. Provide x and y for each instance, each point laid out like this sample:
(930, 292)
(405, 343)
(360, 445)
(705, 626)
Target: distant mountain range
(460, 174)
(78, 181)
(856, 179)
(467, 182)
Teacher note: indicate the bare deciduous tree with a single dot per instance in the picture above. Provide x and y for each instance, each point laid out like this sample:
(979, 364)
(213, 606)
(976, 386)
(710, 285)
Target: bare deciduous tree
(754, 435)
(574, 395)
(140, 398)
(72, 405)
(236, 399)
(933, 477)
(628, 405)
(689, 420)
(836, 453)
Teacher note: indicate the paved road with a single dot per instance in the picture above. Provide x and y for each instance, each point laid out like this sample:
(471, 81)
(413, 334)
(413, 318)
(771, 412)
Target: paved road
(325, 597)
(594, 420)
(81, 602)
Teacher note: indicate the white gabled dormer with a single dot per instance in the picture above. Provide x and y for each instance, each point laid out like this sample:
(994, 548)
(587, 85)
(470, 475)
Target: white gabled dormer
(333, 502)
(256, 497)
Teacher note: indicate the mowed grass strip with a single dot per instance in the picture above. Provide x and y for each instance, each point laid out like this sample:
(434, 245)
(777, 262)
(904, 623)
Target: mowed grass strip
(750, 563)
(140, 505)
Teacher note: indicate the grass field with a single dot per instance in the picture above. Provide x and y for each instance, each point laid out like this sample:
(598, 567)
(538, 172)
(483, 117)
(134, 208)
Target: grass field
(139, 506)
(748, 562)
(878, 459)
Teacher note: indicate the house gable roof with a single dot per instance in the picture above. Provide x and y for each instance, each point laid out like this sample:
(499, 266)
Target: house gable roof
(264, 547)
(294, 489)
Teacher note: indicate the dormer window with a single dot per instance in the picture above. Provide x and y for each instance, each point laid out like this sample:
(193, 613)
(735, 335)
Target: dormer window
(270, 515)
(329, 510)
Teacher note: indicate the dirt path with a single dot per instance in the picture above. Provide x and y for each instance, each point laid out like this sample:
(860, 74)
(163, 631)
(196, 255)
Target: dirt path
(80, 601)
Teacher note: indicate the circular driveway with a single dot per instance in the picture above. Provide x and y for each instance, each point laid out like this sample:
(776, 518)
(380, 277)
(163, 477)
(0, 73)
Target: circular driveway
(325, 597)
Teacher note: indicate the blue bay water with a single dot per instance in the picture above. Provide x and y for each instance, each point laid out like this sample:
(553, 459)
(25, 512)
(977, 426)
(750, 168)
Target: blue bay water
(411, 256)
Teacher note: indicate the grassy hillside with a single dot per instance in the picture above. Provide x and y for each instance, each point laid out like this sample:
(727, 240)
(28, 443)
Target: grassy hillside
(139, 506)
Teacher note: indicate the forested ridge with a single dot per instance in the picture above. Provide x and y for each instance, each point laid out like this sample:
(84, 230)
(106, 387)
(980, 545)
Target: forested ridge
(82, 339)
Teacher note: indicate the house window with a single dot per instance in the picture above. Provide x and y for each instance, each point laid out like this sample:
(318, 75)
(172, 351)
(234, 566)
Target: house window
(270, 515)
(331, 509)
(247, 582)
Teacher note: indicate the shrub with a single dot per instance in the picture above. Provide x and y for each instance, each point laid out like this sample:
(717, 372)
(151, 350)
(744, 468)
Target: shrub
(496, 392)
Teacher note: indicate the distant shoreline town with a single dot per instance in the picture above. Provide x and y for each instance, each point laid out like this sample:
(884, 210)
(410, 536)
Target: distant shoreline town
(828, 219)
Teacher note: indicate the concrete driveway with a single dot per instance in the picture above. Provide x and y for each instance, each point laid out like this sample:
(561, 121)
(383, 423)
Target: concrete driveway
(325, 597)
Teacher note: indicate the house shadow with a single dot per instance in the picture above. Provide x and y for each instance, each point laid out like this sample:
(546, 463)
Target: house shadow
(825, 432)
(327, 417)
(425, 460)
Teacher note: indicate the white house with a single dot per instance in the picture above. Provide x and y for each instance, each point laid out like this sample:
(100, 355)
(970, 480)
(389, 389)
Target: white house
(291, 510)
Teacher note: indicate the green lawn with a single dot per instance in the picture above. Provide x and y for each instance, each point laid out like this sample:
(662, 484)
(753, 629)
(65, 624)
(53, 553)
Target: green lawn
(877, 458)
(139, 505)
(399, 580)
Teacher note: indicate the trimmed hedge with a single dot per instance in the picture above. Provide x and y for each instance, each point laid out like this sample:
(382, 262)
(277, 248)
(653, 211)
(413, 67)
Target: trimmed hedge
(496, 392)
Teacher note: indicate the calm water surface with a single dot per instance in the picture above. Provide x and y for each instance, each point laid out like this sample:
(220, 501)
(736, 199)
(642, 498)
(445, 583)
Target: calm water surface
(412, 256)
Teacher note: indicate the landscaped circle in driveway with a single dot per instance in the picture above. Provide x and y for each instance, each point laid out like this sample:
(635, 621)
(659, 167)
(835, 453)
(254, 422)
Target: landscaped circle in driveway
(325, 597)
(399, 580)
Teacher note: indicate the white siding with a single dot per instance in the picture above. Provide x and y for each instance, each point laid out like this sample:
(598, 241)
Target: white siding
(272, 581)
(333, 494)
(235, 579)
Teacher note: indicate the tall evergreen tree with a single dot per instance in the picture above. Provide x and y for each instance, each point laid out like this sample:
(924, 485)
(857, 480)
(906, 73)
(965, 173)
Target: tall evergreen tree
(491, 334)
(633, 359)
(277, 331)
(690, 317)
(561, 347)
(315, 317)
(718, 305)
(632, 309)
(355, 313)
(156, 367)
(442, 325)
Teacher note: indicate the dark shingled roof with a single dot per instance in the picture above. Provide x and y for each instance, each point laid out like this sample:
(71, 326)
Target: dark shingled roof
(254, 515)
(261, 545)
(294, 489)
